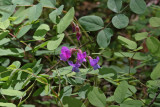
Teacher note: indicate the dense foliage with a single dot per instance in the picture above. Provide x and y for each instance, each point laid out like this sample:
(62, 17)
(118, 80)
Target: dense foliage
(79, 53)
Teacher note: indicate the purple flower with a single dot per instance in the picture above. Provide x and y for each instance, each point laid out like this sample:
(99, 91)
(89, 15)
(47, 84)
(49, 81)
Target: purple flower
(73, 27)
(78, 35)
(93, 63)
(75, 66)
(81, 57)
(65, 54)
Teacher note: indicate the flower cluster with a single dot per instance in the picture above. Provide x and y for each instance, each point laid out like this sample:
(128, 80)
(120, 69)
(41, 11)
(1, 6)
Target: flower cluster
(66, 53)
(75, 28)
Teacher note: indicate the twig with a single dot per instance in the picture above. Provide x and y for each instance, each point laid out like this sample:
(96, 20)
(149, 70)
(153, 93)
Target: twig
(154, 99)
(49, 69)
(20, 41)
(124, 9)
(85, 44)
(12, 35)
(66, 34)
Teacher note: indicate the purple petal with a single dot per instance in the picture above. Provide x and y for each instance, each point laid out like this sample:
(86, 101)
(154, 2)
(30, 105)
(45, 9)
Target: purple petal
(62, 57)
(78, 35)
(73, 27)
(81, 57)
(97, 59)
(71, 63)
(74, 65)
(96, 67)
(75, 69)
(65, 54)
(64, 49)
(77, 65)
(68, 54)
(93, 62)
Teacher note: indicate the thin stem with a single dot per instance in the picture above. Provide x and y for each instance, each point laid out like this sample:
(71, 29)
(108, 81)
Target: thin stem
(43, 83)
(154, 99)
(130, 62)
(135, 96)
(83, 30)
(124, 9)
(49, 69)
(66, 34)
(59, 78)
(21, 102)
(138, 80)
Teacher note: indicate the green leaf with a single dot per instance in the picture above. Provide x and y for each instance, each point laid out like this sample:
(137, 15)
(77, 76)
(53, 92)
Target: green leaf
(154, 21)
(156, 72)
(153, 83)
(104, 37)
(5, 24)
(96, 97)
(48, 3)
(5, 2)
(22, 2)
(131, 90)
(131, 103)
(72, 102)
(105, 72)
(53, 44)
(138, 6)
(17, 64)
(91, 23)
(65, 70)
(10, 52)
(42, 45)
(38, 91)
(66, 91)
(127, 43)
(65, 21)
(120, 21)
(53, 15)
(5, 40)
(114, 5)
(10, 92)
(82, 91)
(120, 92)
(42, 80)
(7, 104)
(137, 55)
(35, 12)
(28, 105)
(20, 15)
(23, 30)
(140, 36)
(113, 106)
(3, 34)
(153, 45)
(41, 32)
(6, 11)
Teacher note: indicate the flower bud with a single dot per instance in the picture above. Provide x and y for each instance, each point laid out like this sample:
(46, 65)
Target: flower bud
(77, 28)
(73, 27)
(78, 35)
